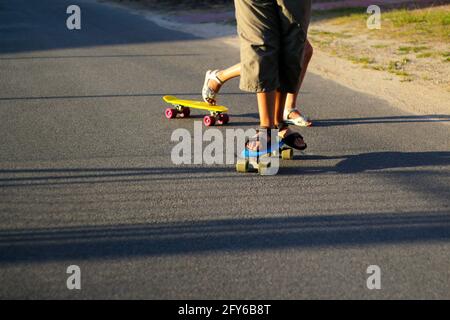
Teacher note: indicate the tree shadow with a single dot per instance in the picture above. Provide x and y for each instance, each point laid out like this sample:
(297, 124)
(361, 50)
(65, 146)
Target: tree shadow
(371, 161)
(377, 120)
(196, 95)
(65, 176)
(33, 26)
(98, 56)
(212, 236)
(348, 164)
(390, 160)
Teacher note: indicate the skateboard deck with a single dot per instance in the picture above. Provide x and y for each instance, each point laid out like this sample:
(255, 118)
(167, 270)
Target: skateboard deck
(181, 107)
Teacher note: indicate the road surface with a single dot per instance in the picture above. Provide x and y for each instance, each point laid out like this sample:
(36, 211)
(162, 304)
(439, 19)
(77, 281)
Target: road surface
(86, 176)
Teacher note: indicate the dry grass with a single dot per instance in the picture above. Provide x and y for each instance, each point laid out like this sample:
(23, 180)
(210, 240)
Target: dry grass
(411, 44)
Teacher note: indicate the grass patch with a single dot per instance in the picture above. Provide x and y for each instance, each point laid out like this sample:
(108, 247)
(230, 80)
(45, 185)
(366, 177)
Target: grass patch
(377, 68)
(320, 43)
(421, 18)
(315, 32)
(424, 55)
(362, 60)
(328, 34)
(421, 24)
(338, 13)
(397, 67)
(380, 46)
(431, 23)
(400, 73)
(406, 49)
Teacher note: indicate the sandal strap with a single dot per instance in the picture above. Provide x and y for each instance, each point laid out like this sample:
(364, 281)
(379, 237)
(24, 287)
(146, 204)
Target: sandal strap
(207, 92)
(287, 112)
(257, 138)
(282, 126)
(290, 140)
(213, 76)
(260, 129)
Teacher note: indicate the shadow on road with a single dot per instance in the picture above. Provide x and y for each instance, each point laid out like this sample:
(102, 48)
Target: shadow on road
(125, 95)
(375, 120)
(348, 164)
(32, 26)
(385, 160)
(99, 56)
(211, 236)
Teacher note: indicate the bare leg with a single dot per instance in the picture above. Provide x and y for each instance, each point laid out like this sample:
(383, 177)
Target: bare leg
(271, 107)
(266, 106)
(291, 99)
(224, 76)
(280, 102)
(230, 73)
(279, 107)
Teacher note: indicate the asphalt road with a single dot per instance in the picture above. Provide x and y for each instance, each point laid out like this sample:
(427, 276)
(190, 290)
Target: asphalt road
(86, 176)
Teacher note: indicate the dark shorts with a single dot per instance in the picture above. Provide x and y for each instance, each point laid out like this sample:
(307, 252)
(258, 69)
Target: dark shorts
(272, 37)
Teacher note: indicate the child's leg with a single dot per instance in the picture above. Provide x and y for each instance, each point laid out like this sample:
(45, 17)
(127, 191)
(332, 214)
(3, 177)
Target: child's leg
(225, 75)
(259, 33)
(216, 79)
(296, 140)
(229, 73)
(294, 21)
(294, 18)
(266, 108)
(291, 100)
(279, 107)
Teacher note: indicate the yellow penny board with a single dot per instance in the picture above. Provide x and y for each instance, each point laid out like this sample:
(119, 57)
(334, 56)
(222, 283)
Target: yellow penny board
(194, 104)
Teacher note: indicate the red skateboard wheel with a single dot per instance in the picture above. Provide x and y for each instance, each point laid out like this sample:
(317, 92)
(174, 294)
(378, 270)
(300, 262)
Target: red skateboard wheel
(208, 121)
(171, 113)
(223, 118)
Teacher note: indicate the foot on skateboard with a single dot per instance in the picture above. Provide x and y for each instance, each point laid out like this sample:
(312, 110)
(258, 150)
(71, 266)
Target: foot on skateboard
(262, 162)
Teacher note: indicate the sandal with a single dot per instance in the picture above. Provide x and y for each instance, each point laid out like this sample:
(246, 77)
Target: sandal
(209, 95)
(291, 139)
(300, 121)
(264, 141)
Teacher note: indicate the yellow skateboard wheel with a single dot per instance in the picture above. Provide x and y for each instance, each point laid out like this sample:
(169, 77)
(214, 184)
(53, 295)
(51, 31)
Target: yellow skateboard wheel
(263, 166)
(242, 165)
(287, 154)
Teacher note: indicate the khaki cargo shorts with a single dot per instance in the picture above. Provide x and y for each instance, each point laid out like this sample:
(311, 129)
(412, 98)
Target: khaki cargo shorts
(272, 36)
